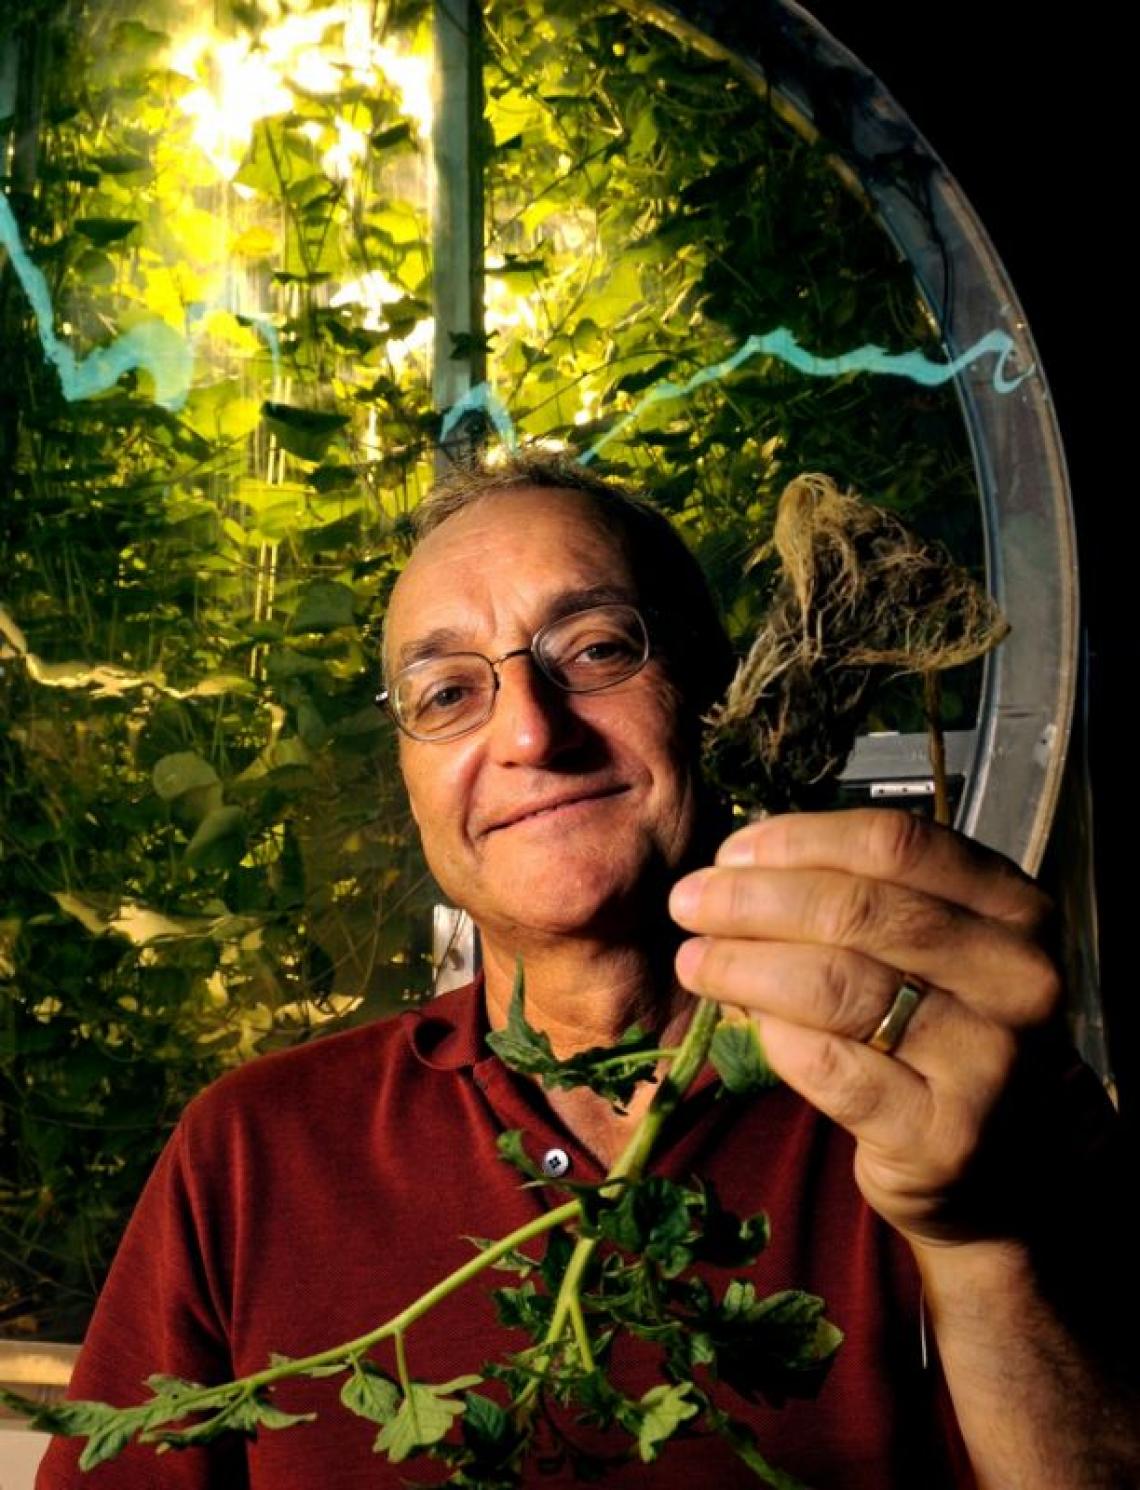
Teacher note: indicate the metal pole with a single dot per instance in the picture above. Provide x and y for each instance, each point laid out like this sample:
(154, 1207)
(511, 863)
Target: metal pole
(457, 213)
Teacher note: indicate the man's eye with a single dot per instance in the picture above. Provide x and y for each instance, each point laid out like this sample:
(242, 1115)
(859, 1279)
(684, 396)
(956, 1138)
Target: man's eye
(596, 658)
(442, 698)
(443, 701)
(606, 649)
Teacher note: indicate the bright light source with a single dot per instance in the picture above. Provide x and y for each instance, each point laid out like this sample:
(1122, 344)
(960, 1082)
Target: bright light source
(243, 79)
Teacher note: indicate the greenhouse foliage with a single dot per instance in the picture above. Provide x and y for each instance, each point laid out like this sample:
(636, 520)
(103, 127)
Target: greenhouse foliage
(204, 850)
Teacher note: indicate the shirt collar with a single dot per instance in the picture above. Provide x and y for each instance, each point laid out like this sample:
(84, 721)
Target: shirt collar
(448, 1032)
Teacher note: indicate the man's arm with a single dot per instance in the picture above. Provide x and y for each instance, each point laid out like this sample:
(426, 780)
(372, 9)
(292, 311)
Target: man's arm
(964, 1143)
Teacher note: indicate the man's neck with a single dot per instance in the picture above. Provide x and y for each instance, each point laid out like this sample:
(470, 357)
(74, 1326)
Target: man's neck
(583, 994)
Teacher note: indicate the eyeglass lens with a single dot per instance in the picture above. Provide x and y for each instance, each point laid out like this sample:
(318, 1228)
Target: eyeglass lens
(581, 653)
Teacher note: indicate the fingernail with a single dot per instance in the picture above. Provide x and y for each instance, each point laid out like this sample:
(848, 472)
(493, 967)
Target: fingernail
(685, 896)
(735, 851)
(689, 956)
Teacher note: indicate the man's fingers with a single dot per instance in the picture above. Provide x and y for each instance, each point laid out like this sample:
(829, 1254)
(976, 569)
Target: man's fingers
(825, 988)
(996, 970)
(879, 1100)
(836, 992)
(897, 847)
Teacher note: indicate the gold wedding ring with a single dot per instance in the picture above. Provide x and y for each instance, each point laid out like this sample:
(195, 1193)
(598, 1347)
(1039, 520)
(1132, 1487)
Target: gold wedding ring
(893, 1026)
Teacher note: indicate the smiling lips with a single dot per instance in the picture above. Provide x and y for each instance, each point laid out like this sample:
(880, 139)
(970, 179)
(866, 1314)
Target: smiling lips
(554, 804)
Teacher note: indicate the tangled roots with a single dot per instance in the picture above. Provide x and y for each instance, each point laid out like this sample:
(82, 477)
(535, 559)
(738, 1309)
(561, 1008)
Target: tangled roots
(857, 597)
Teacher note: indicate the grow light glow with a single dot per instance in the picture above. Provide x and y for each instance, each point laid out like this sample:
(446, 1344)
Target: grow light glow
(243, 79)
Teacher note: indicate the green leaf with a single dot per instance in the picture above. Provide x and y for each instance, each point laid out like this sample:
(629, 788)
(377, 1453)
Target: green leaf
(219, 840)
(332, 478)
(395, 134)
(324, 606)
(489, 1433)
(370, 1394)
(306, 433)
(243, 1414)
(425, 1416)
(739, 1058)
(485, 1421)
(137, 42)
(513, 1261)
(510, 1147)
(108, 1439)
(777, 1347)
(523, 1308)
(184, 771)
(653, 1217)
(269, 1416)
(664, 1409)
(524, 1049)
(637, 382)
(104, 230)
(612, 1071)
(121, 163)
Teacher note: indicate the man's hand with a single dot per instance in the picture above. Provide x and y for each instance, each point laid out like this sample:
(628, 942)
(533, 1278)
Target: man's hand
(812, 922)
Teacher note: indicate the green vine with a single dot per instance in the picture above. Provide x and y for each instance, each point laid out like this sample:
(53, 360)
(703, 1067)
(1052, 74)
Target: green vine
(623, 1262)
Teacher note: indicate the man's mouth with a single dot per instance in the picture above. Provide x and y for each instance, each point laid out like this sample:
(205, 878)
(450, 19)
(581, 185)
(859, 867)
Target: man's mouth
(564, 802)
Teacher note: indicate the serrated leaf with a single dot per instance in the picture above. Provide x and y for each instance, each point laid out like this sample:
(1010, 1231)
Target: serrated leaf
(612, 1071)
(517, 1045)
(664, 1409)
(370, 1394)
(739, 1058)
(523, 1308)
(456, 1384)
(654, 1217)
(423, 1419)
(269, 1416)
(510, 1147)
(513, 1261)
(485, 1424)
(109, 1439)
(777, 1347)
(171, 1386)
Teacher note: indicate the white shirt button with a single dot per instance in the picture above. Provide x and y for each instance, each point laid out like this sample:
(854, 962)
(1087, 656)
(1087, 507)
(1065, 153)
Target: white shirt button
(555, 1162)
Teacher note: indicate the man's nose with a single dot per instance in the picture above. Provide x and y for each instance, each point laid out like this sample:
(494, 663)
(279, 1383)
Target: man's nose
(533, 720)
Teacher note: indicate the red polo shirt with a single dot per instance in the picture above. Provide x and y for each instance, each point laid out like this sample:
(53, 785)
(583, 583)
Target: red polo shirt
(310, 1195)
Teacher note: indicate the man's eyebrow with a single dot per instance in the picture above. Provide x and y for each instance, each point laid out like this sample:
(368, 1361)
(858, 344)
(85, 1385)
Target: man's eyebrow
(443, 639)
(432, 644)
(569, 601)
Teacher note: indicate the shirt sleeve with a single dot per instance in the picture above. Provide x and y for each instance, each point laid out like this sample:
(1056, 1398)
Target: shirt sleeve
(160, 1311)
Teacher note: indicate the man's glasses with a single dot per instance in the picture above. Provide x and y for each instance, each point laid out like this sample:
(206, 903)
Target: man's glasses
(443, 697)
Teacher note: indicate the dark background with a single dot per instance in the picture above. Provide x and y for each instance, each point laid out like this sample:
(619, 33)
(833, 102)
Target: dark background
(1027, 108)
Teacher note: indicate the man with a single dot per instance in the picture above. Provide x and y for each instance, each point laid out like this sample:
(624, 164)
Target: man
(548, 651)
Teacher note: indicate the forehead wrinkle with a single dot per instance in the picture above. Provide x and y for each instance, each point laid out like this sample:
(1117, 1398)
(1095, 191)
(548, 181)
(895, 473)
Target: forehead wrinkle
(443, 639)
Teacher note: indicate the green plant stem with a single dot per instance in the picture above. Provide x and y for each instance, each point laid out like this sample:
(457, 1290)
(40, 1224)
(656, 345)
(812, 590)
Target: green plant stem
(637, 1058)
(690, 1057)
(581, 1334)
(629, 1165)
(402, 1362)
(219, 1396)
